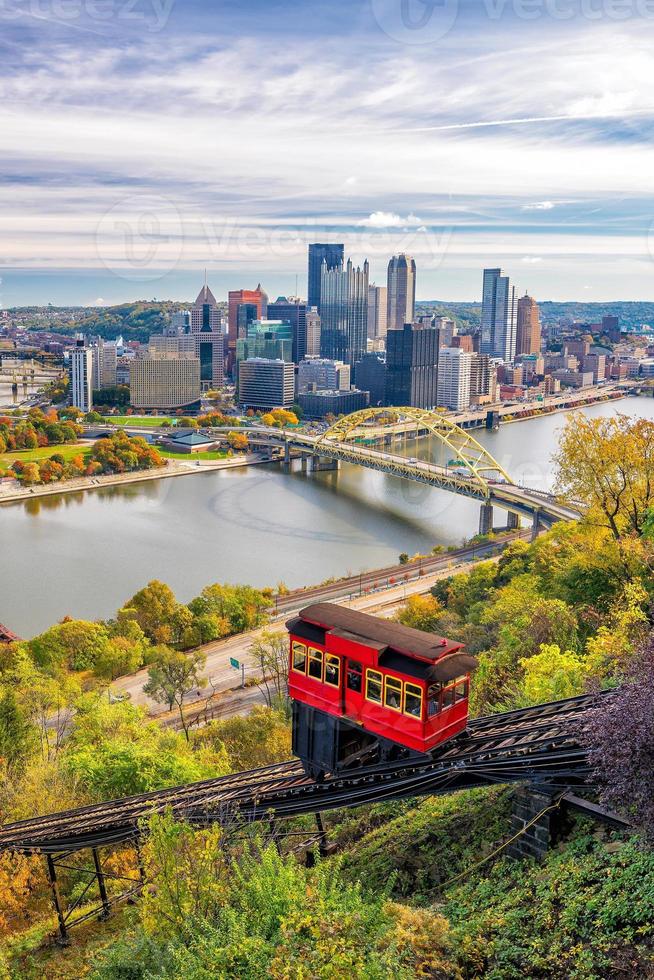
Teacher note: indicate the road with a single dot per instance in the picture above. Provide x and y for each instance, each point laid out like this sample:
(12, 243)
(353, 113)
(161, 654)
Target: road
(222, 677)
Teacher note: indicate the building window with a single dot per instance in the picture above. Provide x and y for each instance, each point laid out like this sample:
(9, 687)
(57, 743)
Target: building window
(332, 670)
(315, 663)
(374, 686)
(393, 693)
(433, 699)
(354, 676)
(413, 700)
(448, 697)
(299, 658)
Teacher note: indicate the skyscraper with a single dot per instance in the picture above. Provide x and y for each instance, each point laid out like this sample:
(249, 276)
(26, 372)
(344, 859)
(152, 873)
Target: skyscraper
(81, 375)
(344, 312)
(206, 327)
(454, 371)
(401, 298)
(377, 312)
(333, 255)
(412, 366)
(313, 325)
(105, 360)
(528, 326)
(236, 298)
(295, 312)
(498, 316)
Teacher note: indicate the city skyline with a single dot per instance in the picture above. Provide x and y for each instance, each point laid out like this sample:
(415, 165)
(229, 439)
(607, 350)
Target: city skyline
(515, 163)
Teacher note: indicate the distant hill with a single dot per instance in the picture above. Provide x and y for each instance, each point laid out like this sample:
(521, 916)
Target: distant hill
(632, 315)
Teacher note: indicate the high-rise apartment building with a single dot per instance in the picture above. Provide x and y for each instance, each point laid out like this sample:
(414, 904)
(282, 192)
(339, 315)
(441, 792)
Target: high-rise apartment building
(266, 383)
(165, 381)
(401, 292)
(454, 373)
(483, 379)
(105, 360)
(81, 376)
(344, 312)
(334, 256)
(377, 312)
(207, 328)
(498, 316)
(527, 326)
(313, 324)
(412, 366)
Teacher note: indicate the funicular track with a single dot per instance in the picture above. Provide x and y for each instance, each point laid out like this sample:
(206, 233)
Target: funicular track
(536, 745)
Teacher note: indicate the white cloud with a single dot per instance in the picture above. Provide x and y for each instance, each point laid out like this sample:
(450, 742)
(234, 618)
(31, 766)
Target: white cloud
(531, 259)
(387, 219)
(539, 206)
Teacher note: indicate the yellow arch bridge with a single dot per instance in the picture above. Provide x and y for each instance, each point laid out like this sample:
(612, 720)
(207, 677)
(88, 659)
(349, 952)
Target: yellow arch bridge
(366, 438)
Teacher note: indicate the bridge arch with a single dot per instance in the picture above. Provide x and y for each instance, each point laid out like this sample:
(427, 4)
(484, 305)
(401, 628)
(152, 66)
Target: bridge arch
(464, 448)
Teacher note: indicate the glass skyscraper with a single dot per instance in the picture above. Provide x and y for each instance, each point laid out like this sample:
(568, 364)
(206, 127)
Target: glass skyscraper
(344, 312)
(499, 316)
(333, 255)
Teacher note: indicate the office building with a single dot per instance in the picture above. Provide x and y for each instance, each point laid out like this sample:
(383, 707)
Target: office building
(81, 376)
(180, 323)
(498, 316)
(527, 326)
(246, 314)
(611, 327)
(172, 344)
(401, 292)
(333, 256)
(596, 364)
(370, 376)
(483, 380)
(207, 328)
(447, 328)
(313, 332)
(377, 312)
(294, 311)
(165, 381)
(454, 374)
(266, 384)
(464, 341)
(412, 366)
(318, 404)
(105, 360)
(322, 374)
(235, 299)
(344, 312)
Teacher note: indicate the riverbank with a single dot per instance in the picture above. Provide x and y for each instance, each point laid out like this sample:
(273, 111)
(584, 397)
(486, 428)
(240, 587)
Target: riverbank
(12, 492)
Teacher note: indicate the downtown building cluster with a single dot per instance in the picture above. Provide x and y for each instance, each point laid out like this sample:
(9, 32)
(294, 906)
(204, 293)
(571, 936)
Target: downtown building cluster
(350, 344)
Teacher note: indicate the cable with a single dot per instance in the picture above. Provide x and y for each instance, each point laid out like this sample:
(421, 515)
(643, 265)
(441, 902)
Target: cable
(498, 850)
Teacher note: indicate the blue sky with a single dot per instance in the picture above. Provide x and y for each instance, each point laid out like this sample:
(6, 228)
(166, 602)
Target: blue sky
(144, 140)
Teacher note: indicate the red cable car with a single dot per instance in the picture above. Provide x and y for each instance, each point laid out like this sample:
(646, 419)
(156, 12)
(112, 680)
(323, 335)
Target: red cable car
(369, 690)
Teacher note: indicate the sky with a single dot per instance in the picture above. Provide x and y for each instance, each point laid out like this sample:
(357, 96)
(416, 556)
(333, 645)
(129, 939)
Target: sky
(144, 141)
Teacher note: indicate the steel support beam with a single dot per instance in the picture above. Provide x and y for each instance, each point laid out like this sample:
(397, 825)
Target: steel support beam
(102, 888)
(62, 939)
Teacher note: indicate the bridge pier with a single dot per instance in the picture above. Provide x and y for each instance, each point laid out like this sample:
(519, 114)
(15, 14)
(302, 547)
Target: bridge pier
(536, 527)
(527, 812)
(486, 519)
(512, 521)
(320, 464)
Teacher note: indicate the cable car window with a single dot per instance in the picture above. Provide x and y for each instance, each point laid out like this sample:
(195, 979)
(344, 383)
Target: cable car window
(300, 658)
(315, 663)
(332, 670)
(433, 699)
(461, 688)
(373, 686)
(354, 676)
(448, 697)
(413, 700)
(393, 693)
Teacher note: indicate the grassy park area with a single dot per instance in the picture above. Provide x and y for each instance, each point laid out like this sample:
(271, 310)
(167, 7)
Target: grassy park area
(145, 421)
(68, 451)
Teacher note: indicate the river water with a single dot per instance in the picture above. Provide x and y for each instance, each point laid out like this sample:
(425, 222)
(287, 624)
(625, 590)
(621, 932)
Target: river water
(84, 554)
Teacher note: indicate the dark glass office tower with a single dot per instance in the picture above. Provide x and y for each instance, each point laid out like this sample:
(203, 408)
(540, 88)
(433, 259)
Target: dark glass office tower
(333, 255)
(412, 366)
(294, 313)
(344, 313)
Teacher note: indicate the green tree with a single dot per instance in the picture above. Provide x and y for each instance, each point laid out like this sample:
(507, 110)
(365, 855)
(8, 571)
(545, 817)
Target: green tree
(17, 733)
(552, 675)
(270, 654)
(153, 608)
(422, 612)
(75, 644)
(172, 676)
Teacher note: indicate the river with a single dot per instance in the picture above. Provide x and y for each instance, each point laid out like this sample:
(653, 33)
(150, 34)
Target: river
(84, 554)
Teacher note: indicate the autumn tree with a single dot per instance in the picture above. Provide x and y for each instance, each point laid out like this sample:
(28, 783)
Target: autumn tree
(172, 676)
(422, 612)
(270, 655)
(607, 465)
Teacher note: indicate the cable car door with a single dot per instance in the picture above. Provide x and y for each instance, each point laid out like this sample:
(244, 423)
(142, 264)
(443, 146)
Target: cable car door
(353, 690)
